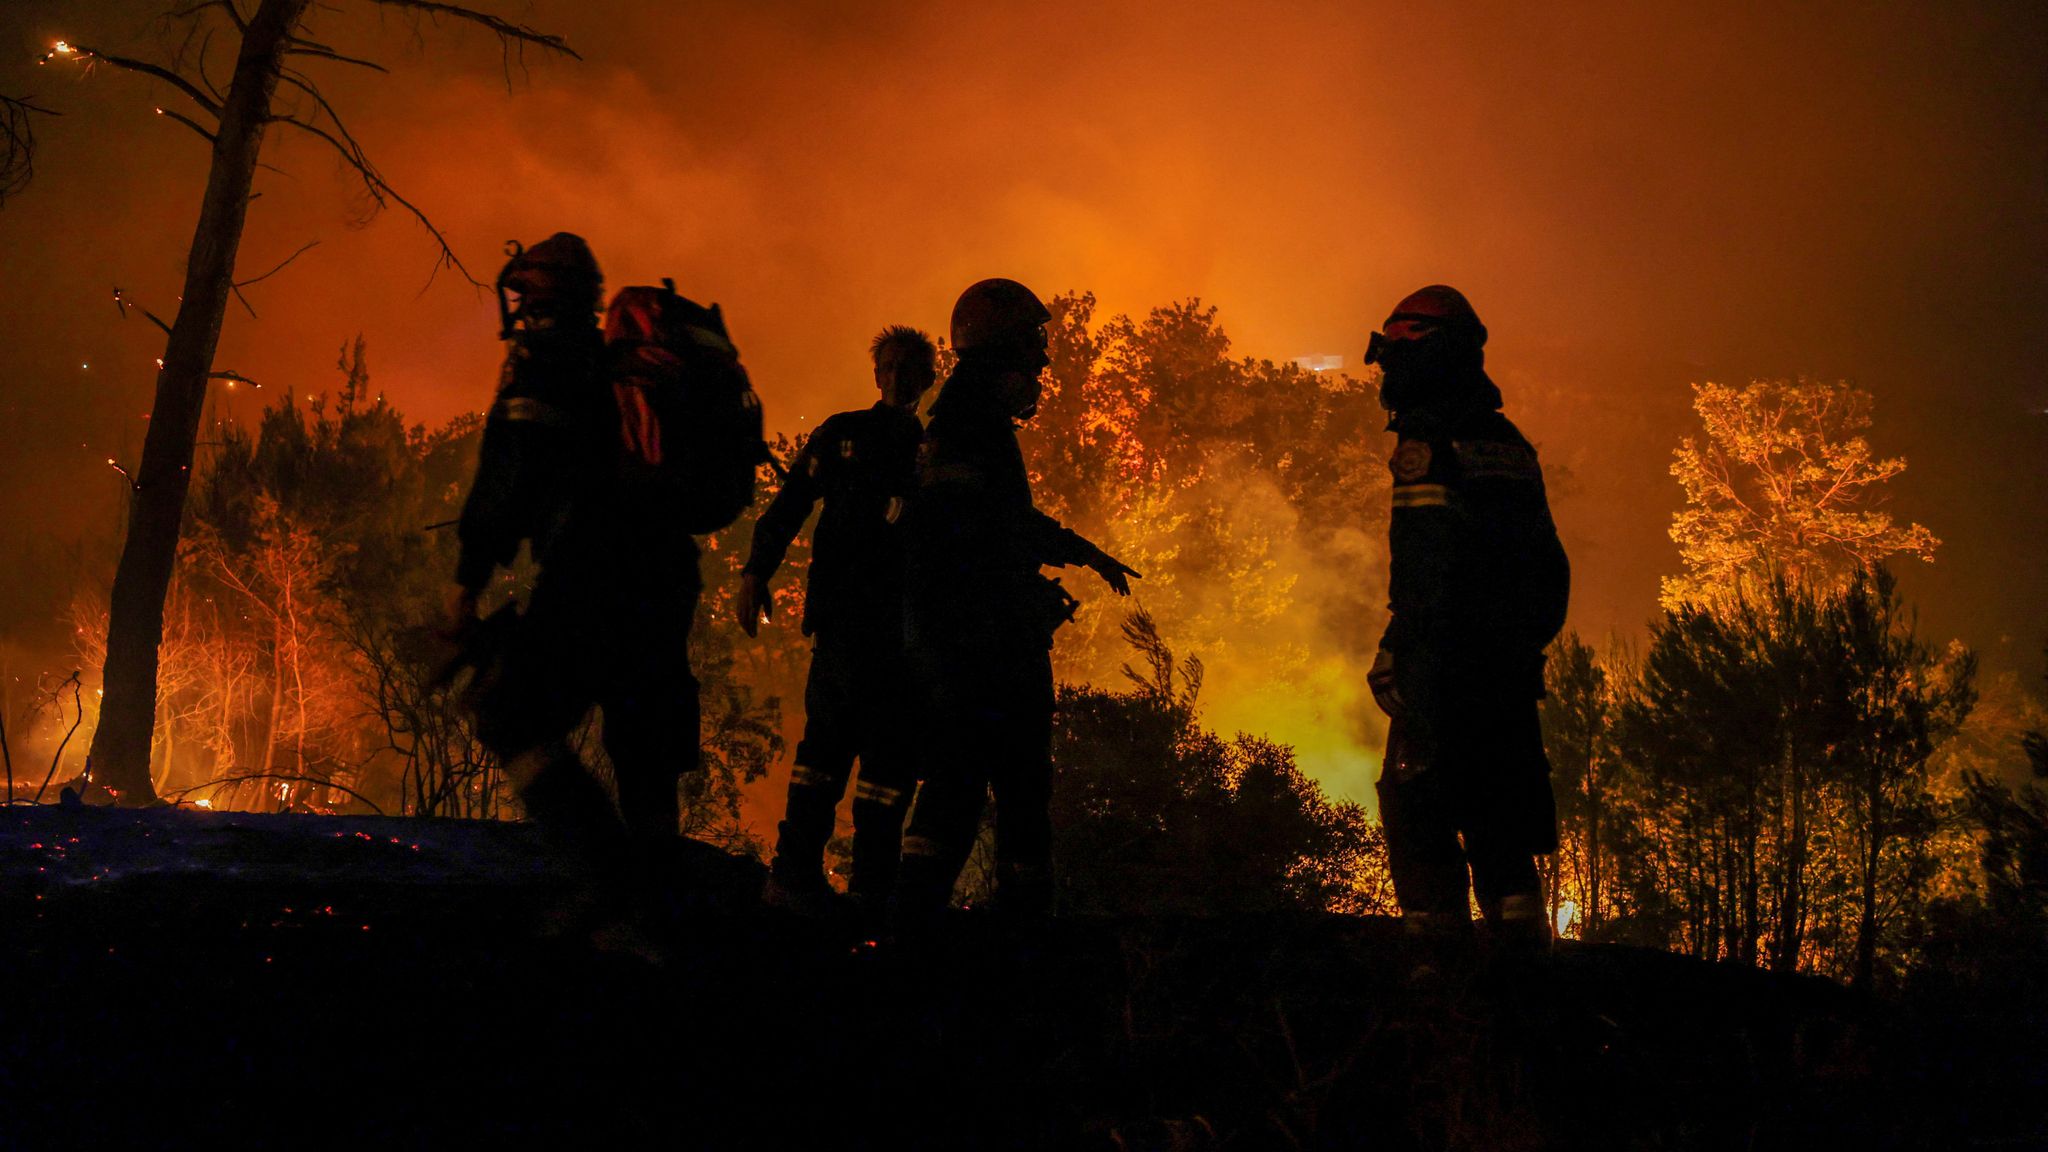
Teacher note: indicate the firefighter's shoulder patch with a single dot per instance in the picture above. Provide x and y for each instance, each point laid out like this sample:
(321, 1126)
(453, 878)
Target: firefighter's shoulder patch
(1410, 461)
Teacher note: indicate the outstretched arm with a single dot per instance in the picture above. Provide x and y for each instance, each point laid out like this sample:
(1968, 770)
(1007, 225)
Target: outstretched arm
(1058, 545)
(778, 525)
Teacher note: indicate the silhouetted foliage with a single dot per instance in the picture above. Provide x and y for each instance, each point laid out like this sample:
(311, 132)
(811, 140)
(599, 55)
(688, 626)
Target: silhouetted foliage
(1757, 788)
(1153, 814)
(2015, 841)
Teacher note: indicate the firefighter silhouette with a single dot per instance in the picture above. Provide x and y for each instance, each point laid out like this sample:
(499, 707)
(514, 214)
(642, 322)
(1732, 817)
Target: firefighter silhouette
(857, 702)
(608, 620)
(981, 616)
(1478, 588)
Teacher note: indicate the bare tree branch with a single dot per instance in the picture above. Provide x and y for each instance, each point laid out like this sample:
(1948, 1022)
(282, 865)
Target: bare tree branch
(281, 266)
(328, 54)
(88, 55)
(234, 14)
(188, 122)
(379, 189)
(18, 135)
(204, 77)
(505, 30)
(217, 781)
(232, 377)
(77, 702)
(121, 302)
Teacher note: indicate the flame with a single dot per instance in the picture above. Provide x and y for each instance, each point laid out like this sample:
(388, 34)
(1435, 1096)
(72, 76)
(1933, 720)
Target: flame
(1568, 919)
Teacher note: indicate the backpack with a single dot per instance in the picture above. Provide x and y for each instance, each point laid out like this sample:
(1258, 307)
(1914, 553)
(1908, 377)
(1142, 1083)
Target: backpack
(689, 421)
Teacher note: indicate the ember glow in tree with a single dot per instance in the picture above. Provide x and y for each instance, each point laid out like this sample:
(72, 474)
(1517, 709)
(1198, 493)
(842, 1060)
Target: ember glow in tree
(1783, 481)
(1249, 493)
(268, 88)
(1578, 731)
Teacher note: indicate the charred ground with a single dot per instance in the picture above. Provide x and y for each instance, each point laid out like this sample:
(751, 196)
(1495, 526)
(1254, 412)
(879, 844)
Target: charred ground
(185, 977)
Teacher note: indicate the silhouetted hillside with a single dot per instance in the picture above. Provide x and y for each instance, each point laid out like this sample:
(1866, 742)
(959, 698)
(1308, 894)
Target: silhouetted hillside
(180, 977)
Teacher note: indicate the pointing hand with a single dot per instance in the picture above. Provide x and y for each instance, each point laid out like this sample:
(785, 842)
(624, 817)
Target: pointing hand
(1115, 571)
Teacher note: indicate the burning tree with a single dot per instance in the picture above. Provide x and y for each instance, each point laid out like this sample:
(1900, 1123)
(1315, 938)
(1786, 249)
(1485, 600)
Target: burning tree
(1783, 482)
(1251, 494)
(1578, 723)
(272, 41)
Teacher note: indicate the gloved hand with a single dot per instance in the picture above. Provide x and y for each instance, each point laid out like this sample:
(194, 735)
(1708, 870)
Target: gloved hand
(1381, 680)
(1114, 571)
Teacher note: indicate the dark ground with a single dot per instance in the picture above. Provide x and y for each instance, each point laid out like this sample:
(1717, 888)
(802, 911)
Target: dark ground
(175, 977)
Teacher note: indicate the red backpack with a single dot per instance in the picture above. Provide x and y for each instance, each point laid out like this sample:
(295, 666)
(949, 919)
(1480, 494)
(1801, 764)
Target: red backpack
(689, 421)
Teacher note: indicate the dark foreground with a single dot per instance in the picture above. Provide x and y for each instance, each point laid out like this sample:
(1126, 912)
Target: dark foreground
(176, 977)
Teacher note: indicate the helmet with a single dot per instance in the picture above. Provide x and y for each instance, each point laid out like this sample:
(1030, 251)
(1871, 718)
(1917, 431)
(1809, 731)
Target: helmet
(555, 279)
(998, 314)
(1438, 311)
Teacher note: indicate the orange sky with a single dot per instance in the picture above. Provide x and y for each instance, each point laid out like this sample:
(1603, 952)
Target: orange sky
(1632, 198)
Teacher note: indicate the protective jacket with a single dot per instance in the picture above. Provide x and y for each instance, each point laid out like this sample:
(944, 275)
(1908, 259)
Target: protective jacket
(976, 541)
(863, 465)
(1479, 581)
(548, 447)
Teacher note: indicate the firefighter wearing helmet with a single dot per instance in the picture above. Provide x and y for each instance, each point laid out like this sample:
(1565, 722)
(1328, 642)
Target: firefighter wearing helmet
(607, 623)
(980, 615)
(1478, 584)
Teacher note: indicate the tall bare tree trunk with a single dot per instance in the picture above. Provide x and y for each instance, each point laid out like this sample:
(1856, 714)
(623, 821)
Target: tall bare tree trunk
(121, 743)
(1590, 929)
(1873, 856)
(1792, 896)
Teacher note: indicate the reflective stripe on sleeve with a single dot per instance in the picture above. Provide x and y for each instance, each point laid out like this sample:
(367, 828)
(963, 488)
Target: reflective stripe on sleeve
(809, 778)
(880, 794)
(1421, 496)
(526, 408)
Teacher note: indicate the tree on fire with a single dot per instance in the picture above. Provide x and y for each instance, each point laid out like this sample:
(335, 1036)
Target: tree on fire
(300, 659)
(271, 42)
(1251, 494)
(1757, 786)
(1782, 482)
(2016, 841)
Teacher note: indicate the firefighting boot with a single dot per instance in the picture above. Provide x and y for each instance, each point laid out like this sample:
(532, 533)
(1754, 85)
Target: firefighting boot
(924, 889)
(796, 876)
(1438, 944)
(1520, 928)
(878, 813)
(576, 816)
(1024, 892)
